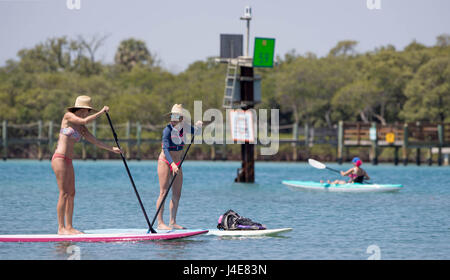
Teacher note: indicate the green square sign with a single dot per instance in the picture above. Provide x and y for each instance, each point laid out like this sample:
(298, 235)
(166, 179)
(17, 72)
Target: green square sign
(263, 53)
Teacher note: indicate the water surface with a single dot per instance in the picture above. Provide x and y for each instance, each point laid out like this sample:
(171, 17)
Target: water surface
(411, 224)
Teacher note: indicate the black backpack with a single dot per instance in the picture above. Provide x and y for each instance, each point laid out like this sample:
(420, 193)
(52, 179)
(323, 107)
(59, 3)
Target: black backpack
(233, 221)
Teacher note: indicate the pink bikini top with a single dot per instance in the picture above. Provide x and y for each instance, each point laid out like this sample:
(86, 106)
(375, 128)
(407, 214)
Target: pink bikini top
(70, 132)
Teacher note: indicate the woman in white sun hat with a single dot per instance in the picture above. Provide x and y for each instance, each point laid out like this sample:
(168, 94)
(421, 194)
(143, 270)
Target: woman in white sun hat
(173, 140)
(72, 129)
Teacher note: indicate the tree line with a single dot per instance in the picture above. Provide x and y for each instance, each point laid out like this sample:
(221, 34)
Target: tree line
(385, 85)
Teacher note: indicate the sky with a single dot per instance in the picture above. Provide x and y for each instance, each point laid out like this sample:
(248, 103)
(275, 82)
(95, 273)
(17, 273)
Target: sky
(181, 32)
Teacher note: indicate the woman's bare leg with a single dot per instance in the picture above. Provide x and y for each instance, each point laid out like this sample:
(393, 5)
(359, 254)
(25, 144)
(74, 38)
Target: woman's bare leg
(163, 175)
(176, 194)
(59, 167)
(70, 199)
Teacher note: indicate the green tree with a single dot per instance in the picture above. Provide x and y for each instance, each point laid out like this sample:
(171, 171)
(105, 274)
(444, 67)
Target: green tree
(344, 48)
(387, 70)
(357, 99)
(443, 40)
(131, 52)
(334, 73)
(298, 87)
(428, 92)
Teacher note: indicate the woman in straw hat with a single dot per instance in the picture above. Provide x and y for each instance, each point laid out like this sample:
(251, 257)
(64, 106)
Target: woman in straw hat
(173, 140)
(72, 129)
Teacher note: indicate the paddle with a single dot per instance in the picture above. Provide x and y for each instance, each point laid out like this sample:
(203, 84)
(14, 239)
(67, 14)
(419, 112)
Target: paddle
(150, 228)
(173, 179)
(317, 164)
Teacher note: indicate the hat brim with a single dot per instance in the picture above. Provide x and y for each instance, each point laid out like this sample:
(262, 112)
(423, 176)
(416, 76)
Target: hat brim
(81, 107)
(170, 113)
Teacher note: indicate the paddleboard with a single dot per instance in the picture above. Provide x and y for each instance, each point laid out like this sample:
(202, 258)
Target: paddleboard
(261, 232)
(209, 231)
(124, 236)
(351, 187)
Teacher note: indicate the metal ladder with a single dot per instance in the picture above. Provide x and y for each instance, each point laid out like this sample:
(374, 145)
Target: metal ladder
(230, 83)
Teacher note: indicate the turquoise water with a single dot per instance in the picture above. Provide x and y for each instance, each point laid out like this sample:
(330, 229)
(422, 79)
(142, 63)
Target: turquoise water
(411, 224)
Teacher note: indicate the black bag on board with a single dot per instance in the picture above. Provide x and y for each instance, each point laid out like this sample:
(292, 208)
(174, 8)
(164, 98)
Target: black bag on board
(233, 221)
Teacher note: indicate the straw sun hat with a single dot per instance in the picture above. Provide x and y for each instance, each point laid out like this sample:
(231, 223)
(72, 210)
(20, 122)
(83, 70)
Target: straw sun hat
(177, 111)
(82, 102)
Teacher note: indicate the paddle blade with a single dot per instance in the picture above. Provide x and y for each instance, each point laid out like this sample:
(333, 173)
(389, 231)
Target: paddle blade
(316, 164)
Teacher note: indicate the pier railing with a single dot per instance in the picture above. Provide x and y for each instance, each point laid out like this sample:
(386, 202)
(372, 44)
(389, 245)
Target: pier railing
(417, 135)
(38, 140)
(14, 137)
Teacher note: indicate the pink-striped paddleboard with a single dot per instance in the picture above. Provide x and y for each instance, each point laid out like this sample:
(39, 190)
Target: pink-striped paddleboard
(105, 237)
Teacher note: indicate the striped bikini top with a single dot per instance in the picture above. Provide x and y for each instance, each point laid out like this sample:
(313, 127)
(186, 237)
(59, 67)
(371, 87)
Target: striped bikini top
(70, 132)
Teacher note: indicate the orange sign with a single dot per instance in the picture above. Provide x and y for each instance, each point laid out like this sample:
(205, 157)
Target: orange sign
(390, 137)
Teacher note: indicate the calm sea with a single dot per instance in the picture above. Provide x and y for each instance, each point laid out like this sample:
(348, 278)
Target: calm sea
(411, 224)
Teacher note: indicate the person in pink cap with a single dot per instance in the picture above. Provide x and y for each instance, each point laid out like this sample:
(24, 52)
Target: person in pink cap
(356, 173)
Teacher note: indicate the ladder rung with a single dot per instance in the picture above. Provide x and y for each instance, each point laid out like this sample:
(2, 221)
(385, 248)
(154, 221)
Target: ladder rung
(230, 81)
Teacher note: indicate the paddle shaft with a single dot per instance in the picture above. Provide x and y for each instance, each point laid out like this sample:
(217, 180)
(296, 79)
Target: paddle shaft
(329, 168)
(129, 175)
(173, 180)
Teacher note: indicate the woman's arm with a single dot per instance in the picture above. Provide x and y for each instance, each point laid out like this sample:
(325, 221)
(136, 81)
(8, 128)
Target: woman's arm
(166, 144)
(197, 128)
(346, 173)
(72, 118)
(91, 138)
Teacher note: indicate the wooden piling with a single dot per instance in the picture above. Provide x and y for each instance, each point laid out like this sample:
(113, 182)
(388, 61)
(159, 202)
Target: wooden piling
(405, 145)
(223, 152)
(294, 144)
(311, 137)
(396, 155)
(138, 140)
(127, 136)
(374, 145)
(418, 156)
(246, 174)
(213, 152)
(340, 147)
(5, 139)
(307, 132)
(40, 154)
(430, 156)
(441, 143)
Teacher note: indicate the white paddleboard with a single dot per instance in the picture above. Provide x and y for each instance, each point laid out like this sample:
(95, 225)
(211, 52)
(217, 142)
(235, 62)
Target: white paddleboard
(261, 232)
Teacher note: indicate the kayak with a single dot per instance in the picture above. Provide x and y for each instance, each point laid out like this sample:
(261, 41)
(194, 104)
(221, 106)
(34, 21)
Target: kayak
(120, 236)
(350, 187)
(263, 232)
